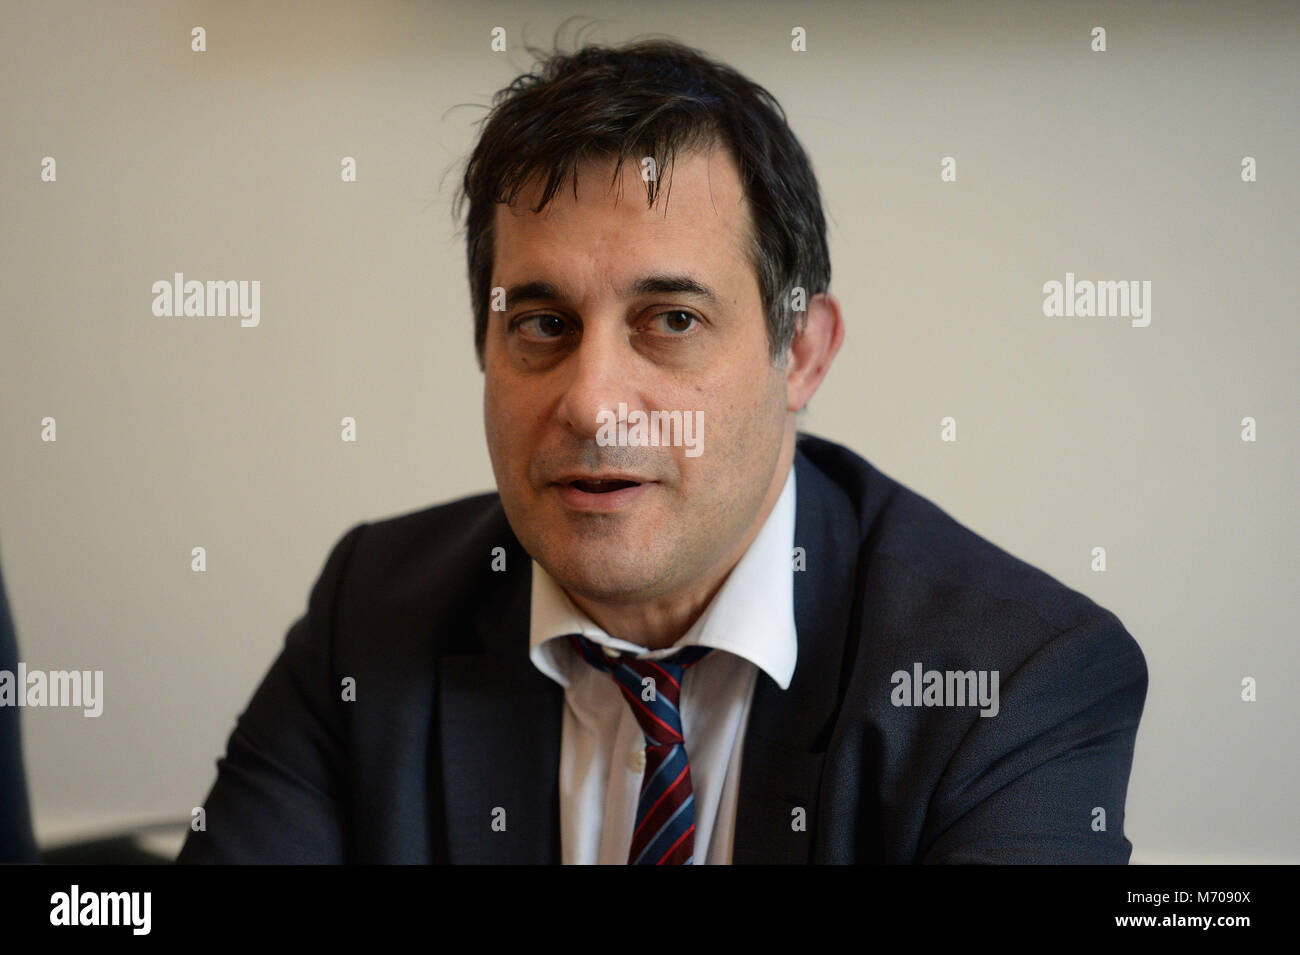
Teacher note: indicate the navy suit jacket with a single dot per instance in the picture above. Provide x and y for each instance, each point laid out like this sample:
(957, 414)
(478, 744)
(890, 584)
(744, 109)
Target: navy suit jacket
(452, 727)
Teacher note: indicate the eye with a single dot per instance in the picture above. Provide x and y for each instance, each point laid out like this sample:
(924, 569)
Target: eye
(674, 322)
(544, 325)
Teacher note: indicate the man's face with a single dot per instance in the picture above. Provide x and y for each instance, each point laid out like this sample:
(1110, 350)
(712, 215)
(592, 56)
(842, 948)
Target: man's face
(557, 358)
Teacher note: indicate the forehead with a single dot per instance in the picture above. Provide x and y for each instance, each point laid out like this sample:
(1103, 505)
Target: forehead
(699, 221)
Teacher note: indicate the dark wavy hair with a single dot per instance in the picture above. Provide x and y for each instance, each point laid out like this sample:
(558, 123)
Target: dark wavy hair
(649, 98)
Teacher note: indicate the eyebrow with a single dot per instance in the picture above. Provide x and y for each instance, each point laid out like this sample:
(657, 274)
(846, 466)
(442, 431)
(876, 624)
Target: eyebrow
(656, 284)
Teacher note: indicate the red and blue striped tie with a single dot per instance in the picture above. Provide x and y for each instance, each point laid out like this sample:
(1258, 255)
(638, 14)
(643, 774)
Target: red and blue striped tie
(665, 813)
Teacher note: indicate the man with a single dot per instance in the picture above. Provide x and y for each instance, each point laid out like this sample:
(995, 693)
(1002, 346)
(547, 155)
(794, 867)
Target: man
(711, 639)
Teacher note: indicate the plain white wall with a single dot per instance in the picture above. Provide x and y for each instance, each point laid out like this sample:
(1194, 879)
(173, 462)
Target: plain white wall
(1072, 433)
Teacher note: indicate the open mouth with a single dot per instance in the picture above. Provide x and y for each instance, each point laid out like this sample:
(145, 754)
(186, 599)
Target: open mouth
(602, 487)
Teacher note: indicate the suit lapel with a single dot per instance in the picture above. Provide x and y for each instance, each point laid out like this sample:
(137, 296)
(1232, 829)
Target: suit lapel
(788, 731)
(499, 723)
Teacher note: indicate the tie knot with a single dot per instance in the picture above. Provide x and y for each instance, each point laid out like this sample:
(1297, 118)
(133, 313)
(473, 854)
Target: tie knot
(652, 688)
(605, 658)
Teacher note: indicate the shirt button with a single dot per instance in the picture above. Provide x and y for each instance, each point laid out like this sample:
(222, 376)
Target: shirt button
(637, 762)
(610, 652)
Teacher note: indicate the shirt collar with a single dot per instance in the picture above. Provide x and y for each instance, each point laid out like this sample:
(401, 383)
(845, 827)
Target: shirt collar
(752, 614)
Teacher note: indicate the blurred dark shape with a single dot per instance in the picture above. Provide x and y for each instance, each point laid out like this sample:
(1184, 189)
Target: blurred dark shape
(152, 844)
(17, 844)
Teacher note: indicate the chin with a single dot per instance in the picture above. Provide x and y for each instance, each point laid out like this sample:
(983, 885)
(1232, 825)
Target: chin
(596, 575)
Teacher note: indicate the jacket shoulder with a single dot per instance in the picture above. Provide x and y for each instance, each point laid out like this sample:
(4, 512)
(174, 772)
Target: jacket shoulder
(428, 565)
(920, 563)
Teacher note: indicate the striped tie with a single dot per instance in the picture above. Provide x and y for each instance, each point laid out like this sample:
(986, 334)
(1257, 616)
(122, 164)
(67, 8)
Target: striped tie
(665, 813)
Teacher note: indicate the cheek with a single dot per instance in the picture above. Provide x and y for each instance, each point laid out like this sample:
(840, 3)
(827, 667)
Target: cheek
(756, 403)
(496, 425)
(513, 427)
(501, 402)
(491, 415)
(753, 432)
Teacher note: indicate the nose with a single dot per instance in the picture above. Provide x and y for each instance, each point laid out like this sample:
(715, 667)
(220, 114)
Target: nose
(602, 372)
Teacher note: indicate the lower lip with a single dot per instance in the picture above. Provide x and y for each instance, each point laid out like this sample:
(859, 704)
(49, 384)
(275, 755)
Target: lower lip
(601, 503)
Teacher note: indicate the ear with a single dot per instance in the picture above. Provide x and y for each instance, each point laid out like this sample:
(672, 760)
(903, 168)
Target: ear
(813, 349)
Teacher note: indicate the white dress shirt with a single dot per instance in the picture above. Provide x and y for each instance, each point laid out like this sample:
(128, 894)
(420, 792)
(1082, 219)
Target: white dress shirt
(750, 622)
